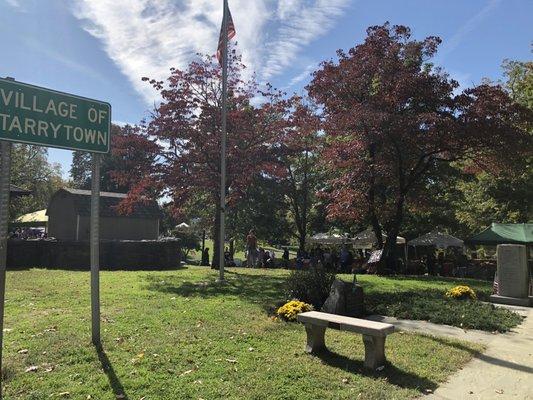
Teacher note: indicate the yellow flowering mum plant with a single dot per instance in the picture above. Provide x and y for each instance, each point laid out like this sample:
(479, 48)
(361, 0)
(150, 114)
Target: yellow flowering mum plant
(461, 292)
(290, 310)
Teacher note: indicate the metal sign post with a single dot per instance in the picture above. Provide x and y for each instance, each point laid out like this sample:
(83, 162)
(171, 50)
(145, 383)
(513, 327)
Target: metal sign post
(44, 117)
(4, 220)
(95, 249)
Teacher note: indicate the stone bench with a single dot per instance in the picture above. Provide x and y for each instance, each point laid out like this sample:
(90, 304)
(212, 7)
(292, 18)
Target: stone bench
(374, 334)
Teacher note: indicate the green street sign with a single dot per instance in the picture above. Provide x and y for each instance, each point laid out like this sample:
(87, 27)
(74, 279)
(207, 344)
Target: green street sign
(44, 117)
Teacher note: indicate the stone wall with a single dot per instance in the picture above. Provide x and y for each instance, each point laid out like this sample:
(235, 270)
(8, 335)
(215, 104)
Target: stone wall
(114, 255)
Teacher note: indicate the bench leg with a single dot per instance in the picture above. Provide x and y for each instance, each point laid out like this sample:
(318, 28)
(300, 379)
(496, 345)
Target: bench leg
(315, 338)
(374, 351)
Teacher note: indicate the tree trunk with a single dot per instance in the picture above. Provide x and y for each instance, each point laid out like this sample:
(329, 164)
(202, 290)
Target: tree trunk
(301, 242)
(389, 251)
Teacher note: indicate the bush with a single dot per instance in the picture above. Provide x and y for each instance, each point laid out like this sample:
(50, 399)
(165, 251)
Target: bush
(188, 241)
(290, 310)
(461, 292)
(310, 286)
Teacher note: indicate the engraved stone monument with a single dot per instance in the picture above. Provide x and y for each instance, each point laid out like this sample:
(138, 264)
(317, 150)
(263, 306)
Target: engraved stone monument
(344, 299)
(513, 275)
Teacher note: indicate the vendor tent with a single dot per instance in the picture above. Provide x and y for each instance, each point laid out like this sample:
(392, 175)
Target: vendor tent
(437, 239)
(367, 239)
(504, 234)
(37, 218)
(328, 238)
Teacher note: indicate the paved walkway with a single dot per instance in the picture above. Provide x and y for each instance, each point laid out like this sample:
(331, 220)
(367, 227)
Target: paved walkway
(503, 371)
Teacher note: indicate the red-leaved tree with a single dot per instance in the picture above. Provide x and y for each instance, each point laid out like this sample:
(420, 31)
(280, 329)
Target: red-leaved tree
(187, 128)
(390, 117)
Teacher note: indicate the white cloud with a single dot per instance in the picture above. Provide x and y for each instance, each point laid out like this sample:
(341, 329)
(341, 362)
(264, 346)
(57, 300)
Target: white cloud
(464, 79)
(16, 4)
(305, 74)
(147, 37)
(451, 44)
(301, 23)
(13, 3)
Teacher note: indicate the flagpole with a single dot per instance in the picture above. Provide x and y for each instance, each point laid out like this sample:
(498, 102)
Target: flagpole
(223, 141)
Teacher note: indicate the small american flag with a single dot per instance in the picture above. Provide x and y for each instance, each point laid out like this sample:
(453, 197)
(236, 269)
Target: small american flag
(495, 285)
(231, 34)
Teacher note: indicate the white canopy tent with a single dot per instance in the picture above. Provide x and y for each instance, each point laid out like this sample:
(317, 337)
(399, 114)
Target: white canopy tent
(367, 239)
(328, 238)
(437, 239)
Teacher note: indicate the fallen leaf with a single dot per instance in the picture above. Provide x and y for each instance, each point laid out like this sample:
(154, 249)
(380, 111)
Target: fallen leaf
(187, 372)
(49, 368)
(32, 368)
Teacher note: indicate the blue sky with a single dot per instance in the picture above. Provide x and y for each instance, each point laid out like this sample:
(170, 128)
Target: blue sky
(102, 48)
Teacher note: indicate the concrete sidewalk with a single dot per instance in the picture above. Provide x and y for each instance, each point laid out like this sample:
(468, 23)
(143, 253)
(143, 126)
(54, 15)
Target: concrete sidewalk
(503, 371)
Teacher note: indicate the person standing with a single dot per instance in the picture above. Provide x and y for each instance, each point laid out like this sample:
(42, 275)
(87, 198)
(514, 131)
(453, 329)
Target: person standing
(251, 249)
(285, 257)
(205, 257)
(344, 258)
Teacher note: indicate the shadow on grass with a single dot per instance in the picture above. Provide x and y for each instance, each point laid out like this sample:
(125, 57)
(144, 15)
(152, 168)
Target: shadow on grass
(262, 289)
(391, 373)
(114, 382)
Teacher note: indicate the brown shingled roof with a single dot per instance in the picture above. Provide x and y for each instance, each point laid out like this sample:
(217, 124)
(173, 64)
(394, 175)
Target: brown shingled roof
(108, 204)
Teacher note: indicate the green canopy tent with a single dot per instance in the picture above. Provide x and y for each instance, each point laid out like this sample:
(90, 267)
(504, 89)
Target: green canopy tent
(504, 234)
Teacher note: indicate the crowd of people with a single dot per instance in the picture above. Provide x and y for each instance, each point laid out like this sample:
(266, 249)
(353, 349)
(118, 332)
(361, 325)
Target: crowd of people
(342, 259)
(258, 257)
(27, 233)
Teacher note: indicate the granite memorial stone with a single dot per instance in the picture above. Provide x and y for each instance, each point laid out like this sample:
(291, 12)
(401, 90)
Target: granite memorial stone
(344, 299)
(513, 275)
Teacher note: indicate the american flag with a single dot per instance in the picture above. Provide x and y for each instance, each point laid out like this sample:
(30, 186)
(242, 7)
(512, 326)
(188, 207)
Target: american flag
(495, 285)
(231, 34)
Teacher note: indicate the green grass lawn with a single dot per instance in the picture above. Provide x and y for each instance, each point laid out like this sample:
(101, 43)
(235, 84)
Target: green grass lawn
(178, 335)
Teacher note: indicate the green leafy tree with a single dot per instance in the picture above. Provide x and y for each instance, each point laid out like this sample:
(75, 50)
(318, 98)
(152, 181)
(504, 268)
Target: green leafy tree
(262, 208)
(80, 169)
(504, 198)
(31, 170)
(303, 175)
